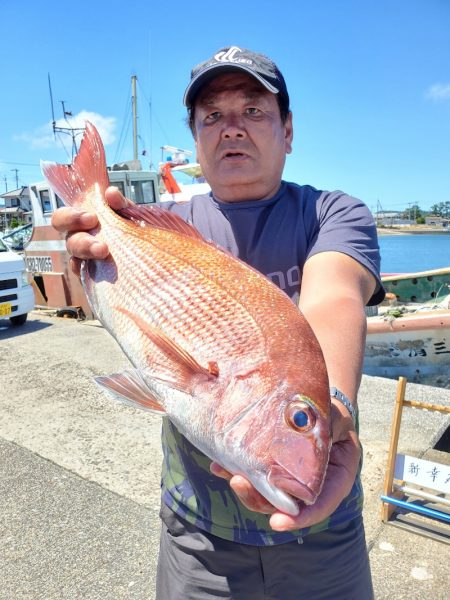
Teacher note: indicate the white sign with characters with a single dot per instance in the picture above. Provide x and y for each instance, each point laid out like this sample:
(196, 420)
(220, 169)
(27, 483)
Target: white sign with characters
(423, 473)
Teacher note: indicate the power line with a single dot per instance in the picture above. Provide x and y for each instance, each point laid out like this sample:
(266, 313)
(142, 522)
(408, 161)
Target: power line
(6, 162)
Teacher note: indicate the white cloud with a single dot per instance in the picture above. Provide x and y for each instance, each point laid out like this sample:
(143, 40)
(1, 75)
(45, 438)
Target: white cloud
(42, 137)
(39, 138)
(439, 92)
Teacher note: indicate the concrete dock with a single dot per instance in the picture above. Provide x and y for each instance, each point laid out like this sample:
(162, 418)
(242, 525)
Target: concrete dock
(79, 474)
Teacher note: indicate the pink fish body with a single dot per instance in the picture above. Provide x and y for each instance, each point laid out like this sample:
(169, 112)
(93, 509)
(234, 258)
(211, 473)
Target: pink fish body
(214, 344)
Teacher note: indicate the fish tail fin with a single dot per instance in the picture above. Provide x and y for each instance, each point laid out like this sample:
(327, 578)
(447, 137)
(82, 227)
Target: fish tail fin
(71, 182)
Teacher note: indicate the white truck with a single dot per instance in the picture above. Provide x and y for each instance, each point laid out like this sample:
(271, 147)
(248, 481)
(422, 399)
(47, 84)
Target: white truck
(46, 256)
(16, 293)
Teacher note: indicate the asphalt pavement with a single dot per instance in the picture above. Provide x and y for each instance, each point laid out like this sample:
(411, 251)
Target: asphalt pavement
(79, 474)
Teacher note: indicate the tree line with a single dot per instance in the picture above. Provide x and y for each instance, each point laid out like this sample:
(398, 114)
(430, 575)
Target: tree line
(415, 213)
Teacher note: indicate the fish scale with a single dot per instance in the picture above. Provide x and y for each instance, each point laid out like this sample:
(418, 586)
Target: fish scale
(187, 286)
(213, 343)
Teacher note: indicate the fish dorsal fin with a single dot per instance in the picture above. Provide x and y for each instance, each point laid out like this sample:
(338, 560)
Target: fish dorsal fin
(71, 182)
(158, 217)
(129, 387)
(183, 368)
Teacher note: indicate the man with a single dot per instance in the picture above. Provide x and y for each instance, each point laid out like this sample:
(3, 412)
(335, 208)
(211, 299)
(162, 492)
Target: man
(321, 248)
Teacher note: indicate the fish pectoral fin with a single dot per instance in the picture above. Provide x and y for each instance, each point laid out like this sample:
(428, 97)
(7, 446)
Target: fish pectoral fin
(129, 387)
(183, 367)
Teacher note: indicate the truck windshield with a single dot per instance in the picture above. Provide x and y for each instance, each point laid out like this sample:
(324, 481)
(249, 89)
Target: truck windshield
(19, 238)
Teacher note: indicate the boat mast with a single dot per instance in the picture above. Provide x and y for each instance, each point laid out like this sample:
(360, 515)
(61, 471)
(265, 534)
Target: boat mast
(134, 106)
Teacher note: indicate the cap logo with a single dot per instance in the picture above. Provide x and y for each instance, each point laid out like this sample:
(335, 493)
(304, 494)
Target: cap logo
(230, 56)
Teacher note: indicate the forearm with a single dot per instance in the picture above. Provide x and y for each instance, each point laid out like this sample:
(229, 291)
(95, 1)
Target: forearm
(340, 327)
(333, 294)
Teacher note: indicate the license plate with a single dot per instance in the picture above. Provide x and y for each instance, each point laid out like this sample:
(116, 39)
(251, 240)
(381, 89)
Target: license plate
(5, 309)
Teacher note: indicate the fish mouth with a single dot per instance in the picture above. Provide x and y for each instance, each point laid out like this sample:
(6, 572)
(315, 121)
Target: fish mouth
(277, 497)
(281, 479)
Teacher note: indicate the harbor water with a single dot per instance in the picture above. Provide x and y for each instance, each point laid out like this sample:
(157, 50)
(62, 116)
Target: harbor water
(408, 253)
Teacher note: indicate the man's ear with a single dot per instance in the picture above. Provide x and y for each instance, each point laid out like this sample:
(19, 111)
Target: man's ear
(289, 133)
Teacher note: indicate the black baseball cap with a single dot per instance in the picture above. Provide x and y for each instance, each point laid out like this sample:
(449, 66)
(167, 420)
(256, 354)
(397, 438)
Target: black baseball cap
(232, 58)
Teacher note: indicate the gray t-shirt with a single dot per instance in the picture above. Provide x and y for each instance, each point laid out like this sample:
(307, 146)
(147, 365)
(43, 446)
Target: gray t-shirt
(278, 235)
(275, 236)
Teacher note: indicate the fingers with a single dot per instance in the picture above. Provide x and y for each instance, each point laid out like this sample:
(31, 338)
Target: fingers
(70, 219)
(339, 480)
(244, 490)
(75, 265)
(249, 496)
(115, 198)
(341, 472)
(219, 471)
(82, 245)
(76, 223)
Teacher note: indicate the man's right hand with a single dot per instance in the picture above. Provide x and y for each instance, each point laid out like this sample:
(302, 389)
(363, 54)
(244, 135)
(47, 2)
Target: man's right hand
(76, 223)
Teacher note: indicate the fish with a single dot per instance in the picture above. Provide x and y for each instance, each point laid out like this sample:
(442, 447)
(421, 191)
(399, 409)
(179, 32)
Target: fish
(213, 344)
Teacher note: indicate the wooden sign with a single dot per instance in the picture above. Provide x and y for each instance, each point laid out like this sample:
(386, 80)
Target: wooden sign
(403, 469)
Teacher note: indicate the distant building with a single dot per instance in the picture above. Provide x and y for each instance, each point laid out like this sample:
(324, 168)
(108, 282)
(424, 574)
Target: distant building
(17, 207)
(391, 217)
(436, 221)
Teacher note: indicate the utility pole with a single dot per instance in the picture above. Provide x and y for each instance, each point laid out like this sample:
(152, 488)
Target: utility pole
(379, 209)
(134, 107)
(6, 183)
(17, 177)
(409, 211)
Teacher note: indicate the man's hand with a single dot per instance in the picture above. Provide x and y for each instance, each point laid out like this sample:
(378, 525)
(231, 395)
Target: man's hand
(76, 223)
(340, 476)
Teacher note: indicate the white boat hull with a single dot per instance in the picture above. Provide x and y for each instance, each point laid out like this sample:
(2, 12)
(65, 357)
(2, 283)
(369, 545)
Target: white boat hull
(415, 346)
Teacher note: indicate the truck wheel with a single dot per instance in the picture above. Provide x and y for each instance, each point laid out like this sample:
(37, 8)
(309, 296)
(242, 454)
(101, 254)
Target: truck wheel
(19, 320)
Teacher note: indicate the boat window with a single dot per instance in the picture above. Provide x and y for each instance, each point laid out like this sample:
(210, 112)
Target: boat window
(59, 202)
(143, 192)
(44, 198)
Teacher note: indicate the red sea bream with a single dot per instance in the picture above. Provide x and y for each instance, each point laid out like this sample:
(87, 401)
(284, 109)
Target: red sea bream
(214, 344)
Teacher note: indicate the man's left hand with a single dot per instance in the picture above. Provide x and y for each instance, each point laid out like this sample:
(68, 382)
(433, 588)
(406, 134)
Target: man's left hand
(341, 473)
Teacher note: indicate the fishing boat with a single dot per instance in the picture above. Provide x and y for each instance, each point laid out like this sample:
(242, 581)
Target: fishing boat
(47, 260)
(181, 178)
(418, 287)
(410, 335)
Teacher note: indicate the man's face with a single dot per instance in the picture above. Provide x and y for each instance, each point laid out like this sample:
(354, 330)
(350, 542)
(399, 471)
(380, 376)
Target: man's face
(240, 139)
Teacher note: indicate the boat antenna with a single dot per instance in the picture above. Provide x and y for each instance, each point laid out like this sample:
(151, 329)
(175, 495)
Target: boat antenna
(51, 104)
(72, 131)
(134, 107)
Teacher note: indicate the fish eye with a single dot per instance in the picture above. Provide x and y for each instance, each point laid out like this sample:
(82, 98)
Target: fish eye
(300, 418)
(300, 415)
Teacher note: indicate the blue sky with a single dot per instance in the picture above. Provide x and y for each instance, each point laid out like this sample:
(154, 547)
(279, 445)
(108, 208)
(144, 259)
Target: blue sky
(369, 83)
